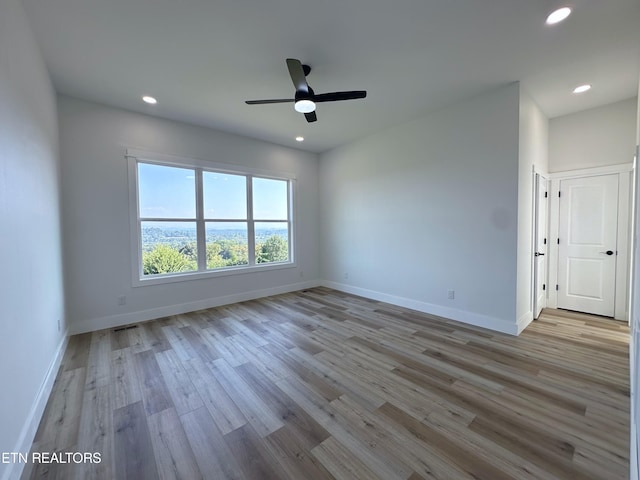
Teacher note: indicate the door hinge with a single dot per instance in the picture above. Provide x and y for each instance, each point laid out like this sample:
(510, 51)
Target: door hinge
(544, 287)
(558, 193)
(545, 241)
(557, 287)
(558, 241)
(546, 194)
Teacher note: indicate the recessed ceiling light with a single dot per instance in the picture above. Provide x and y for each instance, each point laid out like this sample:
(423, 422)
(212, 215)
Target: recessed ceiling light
(558, 15)
(299, 139)
(149, 99)
(582, 88)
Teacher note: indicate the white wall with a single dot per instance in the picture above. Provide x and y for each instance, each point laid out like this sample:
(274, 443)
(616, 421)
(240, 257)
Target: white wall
(31, 291)
(93, 139)
(426, 207)
(533, 152)
(634, 350)
(593, 138)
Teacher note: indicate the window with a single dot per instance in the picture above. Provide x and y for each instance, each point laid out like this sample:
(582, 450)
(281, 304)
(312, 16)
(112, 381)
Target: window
(193, 221)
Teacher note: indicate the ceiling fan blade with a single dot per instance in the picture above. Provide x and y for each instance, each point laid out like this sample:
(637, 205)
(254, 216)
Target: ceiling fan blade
(297, 75)
(311, 117)
(337, 96)
(275, 100)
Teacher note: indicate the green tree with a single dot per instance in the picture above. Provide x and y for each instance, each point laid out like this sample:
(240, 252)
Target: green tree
(214, 259)
(226, 253)
(190, 250)
(274, 249)
(165, 259)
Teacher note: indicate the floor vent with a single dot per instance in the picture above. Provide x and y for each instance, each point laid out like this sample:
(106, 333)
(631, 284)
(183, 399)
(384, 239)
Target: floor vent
(125, 328)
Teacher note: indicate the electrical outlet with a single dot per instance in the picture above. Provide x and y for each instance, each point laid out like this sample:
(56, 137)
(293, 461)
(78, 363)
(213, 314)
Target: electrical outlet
(301, 274)
(122, 300)
(346, 276)
(59, 326)
(451, 294)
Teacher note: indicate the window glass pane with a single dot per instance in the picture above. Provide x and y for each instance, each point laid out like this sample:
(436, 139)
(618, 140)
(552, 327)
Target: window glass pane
(272, 242)
(166, 192)
(270, 199)
(168, 247)
(225, 196)
(227, 244)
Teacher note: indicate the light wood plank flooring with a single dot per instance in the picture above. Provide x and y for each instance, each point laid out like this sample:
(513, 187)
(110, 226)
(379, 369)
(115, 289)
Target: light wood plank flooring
(319, 384)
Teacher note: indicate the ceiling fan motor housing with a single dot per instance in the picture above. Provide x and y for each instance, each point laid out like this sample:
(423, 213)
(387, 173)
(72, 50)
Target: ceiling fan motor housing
(302, 95)
(304, 101)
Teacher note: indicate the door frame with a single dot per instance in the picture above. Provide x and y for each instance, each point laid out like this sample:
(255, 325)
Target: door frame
(623, 267)
(539, 176)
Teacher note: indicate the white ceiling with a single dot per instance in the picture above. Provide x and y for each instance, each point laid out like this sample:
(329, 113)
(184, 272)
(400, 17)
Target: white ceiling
(203, 58)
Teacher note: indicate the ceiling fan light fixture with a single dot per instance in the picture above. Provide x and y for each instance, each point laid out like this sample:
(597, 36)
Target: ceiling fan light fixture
(304, 106)
(558, 15)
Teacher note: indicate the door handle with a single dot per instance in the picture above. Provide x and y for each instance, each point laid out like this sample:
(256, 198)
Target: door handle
(537, 254)
(608, 252)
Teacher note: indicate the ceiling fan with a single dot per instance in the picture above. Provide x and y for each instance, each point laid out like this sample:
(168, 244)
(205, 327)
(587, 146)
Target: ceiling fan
(305, 99)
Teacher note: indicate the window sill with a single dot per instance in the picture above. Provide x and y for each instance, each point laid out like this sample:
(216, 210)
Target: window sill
(223, 272)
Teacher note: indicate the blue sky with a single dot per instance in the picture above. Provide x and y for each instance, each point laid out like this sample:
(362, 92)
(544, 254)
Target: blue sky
(169, 192)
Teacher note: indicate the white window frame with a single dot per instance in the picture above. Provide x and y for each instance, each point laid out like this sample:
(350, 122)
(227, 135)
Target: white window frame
(135, 156)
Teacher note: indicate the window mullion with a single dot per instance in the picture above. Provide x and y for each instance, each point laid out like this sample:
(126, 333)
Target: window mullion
(201, 239)
(134, 172)
(250, 224)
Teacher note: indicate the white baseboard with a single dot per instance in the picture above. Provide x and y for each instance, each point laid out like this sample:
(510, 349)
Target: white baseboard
(463, 316)
(470, 318)
(25, 440)
(160, 312)
(523, 322)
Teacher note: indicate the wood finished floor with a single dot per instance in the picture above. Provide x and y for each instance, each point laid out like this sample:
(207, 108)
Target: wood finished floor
(319, 384)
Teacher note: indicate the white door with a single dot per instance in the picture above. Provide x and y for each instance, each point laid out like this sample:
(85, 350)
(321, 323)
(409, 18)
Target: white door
(587, 244)
(540, 245)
